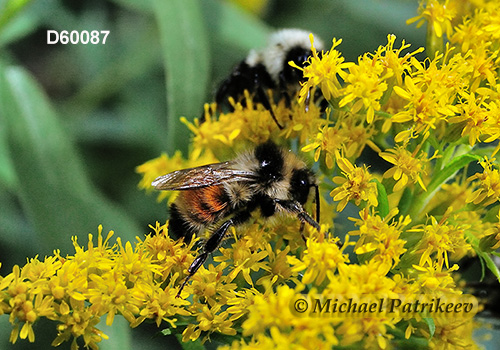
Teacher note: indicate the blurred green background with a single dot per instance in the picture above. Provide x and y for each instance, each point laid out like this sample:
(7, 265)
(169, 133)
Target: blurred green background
(75, 120)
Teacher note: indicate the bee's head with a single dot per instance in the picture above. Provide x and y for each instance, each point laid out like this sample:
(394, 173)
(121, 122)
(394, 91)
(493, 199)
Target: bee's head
(300, 185)
(289, 74)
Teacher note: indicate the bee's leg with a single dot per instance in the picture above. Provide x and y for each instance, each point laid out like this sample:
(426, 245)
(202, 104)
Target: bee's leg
(294, 207)
(302, 225)
(262, 97)
(200, 259)
(211, 244)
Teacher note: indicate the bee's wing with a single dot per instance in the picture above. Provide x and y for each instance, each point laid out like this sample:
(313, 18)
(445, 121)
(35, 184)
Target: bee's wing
(202, 176)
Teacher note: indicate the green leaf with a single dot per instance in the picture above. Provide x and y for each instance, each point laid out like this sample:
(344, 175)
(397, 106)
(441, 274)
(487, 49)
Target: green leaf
(7, 172)
(54, 189)
(17, 26)
(487, 259)
(383, 202)
(450, 169)
(432, 326)
(484, 257)
(230, 25)
(186, 58)
(404, 204)
(11, 8)
(438, 179)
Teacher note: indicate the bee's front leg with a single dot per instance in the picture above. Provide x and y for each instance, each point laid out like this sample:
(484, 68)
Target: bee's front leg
(264, 100)
(294, 207)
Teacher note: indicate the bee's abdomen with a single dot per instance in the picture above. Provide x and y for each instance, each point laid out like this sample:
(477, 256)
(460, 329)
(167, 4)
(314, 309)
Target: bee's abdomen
(194, 210)
(178, 226)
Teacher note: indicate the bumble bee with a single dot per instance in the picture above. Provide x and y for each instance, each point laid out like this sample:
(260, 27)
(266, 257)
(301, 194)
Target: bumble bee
(269, 68)
(218, 196)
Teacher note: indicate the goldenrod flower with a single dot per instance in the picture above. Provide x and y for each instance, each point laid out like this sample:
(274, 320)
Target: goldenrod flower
(490, 240)
(438, 14)
(479, 118)
(432, 277)
(356, 184)
(453, 334)
(328, 140)
(278, 268)
(440, 238)
(244, 259)
(323, 72)
(393, 59)
(270, 321)
(425, 117)
(319, 258)
(488, 184)
(480, 30)
(381, 237)
(366, 82)
(304, 124)
(406, 167)
(426, 106)
(209, 318)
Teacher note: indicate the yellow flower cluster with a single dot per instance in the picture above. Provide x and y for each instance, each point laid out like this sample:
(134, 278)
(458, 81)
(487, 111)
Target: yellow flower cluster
(420, 204)
(100, 280)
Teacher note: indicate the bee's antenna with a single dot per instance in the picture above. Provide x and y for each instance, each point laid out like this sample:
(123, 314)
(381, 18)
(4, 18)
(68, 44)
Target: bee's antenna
(317, 202)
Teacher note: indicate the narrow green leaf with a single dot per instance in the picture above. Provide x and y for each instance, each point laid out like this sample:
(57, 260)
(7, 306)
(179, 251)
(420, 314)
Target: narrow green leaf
(489, 263)
(7, 172)
(230, 25)
(383, 202)
(11, 8)
(449, 170)
(483, 256)
(432, 326)
(19, 26)
(183, 38)
(404, 204)
(55, 192)
(438, 179)
(483, 268)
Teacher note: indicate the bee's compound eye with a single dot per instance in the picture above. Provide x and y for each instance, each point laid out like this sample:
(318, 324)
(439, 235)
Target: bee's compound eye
(300, 185)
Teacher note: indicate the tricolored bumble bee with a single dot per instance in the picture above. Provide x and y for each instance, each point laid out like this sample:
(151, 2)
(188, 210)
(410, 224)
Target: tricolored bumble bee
(269, 68)
(218, 196)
